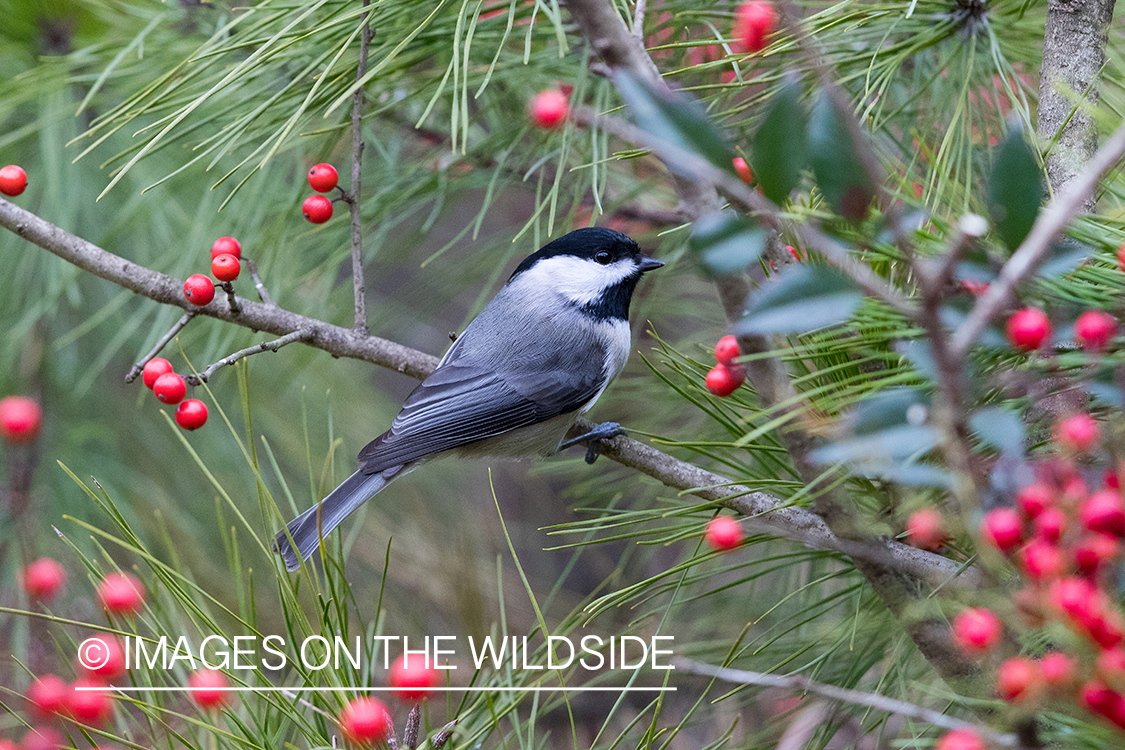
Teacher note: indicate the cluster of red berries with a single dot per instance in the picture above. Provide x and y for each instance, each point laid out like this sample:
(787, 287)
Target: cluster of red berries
(726, 376)
(365, 721)
(13, 180)
(102, 659)
(323, 178)
(226, 253)
(754, 23)
(170, 388)
(1030, 328)
(20, 419)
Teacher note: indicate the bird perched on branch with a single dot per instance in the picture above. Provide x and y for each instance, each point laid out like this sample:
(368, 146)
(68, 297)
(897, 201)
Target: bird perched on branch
(538, 356)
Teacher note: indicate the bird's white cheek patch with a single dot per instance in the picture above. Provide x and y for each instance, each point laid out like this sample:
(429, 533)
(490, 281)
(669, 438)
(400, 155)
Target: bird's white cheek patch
(580, 281)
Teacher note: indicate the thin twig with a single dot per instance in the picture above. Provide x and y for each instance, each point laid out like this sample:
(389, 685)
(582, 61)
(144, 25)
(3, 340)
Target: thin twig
(265, 346)
(1032, 251)
(232, 300)
(854, 697)
(353, 197)
(639, 19)
(263, 293)
(294, 697)
(139, 366)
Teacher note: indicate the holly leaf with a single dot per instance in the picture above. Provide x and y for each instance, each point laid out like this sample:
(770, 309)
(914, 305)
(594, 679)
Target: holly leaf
(726, 242)
(800, 298)
(780, 149)
(1015, 188)
(835, 159)
(677, 120)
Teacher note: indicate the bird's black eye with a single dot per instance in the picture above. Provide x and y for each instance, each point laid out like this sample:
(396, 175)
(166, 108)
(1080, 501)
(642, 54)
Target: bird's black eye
(604, 257)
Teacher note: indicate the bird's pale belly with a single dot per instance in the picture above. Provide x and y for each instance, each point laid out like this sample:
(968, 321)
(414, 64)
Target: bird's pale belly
(527, 442)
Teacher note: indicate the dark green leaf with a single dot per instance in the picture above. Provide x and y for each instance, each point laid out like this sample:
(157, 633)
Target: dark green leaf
(726, 241)
(920, 357)
(1015, 188)
(889, 445)
(780, 151)
(800, 298)
(1107, 394)
(1064, 257)
(836, 162)
(889, 408)
(999, 428)
(677, 120)
(952, 316)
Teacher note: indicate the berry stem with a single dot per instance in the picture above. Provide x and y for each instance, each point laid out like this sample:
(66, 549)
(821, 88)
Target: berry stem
(235, 308)
(163, 342)
(252, 267)
(265, 346)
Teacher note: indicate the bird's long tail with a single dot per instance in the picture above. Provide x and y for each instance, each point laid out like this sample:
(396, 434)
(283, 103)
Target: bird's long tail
(307, 528)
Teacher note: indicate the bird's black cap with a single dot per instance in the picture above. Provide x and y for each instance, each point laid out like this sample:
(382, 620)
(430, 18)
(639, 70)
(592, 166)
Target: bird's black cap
(584, 243)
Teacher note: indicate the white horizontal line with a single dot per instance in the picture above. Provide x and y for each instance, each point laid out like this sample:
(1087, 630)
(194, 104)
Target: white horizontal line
(275, 689)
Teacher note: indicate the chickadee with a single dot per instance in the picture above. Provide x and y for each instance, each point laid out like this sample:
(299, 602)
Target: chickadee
(538, 355)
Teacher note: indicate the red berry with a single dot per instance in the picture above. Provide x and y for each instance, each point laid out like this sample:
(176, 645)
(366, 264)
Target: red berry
(6, 744)
(1105, 512)
(742, 169)
(41, 738)
(49, 695)
(1034, 499)
(960, 739)
(1094, 329)
(1107, 630)
(199, 289)
(225, 267)
(170, 388)
(1016, 679)
(753, 22)
(977, 630)
(793, 251)
(1050, 525)
(323, 177)
(121, 593)
(1121, 257)
(1111, 666)
(365, 721)
(90, 703)
(1029, 328)
(13, 180)
(723, 381)
(413, 679)
(548, 108)
(1058, 670)
(925, 529)
(1079, 432)
(43, 579)
(726, 350)
(723, 533)
(191, 414)
(1077, 598)
(1041, 561)
(1094, 553)
(317, 209)
(102, 657)
(209, 688)
(20, 418)
(153, 369)
(975, 288)
(1002, 529)
(226, 246)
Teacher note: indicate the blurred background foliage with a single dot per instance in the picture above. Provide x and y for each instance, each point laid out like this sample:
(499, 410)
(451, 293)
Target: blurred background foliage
(152, 128)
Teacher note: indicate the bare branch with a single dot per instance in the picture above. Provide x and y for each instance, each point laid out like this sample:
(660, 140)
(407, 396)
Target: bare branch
(854, 697)
(785, 522)
(232, 300)
(265, 346)
(352, 197)
(1032, 251)
(263, 293)
(178, 326)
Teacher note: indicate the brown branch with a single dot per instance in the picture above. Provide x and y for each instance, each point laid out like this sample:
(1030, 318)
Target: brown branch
(1067, 204)
(845, 695)
(139, 365)
(265, 346)
(610, 39)
(352, 197)
(766, 514)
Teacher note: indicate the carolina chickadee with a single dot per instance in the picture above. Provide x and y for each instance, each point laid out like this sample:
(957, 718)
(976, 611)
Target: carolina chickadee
(538, 355)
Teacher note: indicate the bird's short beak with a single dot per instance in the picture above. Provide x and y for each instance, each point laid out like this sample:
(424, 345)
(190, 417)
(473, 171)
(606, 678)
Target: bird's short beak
(650, 264)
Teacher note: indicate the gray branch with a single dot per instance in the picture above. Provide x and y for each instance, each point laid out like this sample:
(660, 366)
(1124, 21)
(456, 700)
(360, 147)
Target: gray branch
(352, 197)
(265, 346)
(178, 326)
(765, 511)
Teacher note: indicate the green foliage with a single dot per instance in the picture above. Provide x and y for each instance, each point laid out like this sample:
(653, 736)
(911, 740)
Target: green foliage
(1015, 188)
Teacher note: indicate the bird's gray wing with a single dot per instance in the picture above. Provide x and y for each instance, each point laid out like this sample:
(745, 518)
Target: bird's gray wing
(461, 404)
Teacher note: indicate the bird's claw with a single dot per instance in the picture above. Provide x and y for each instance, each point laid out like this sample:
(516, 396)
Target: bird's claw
(603, 431)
